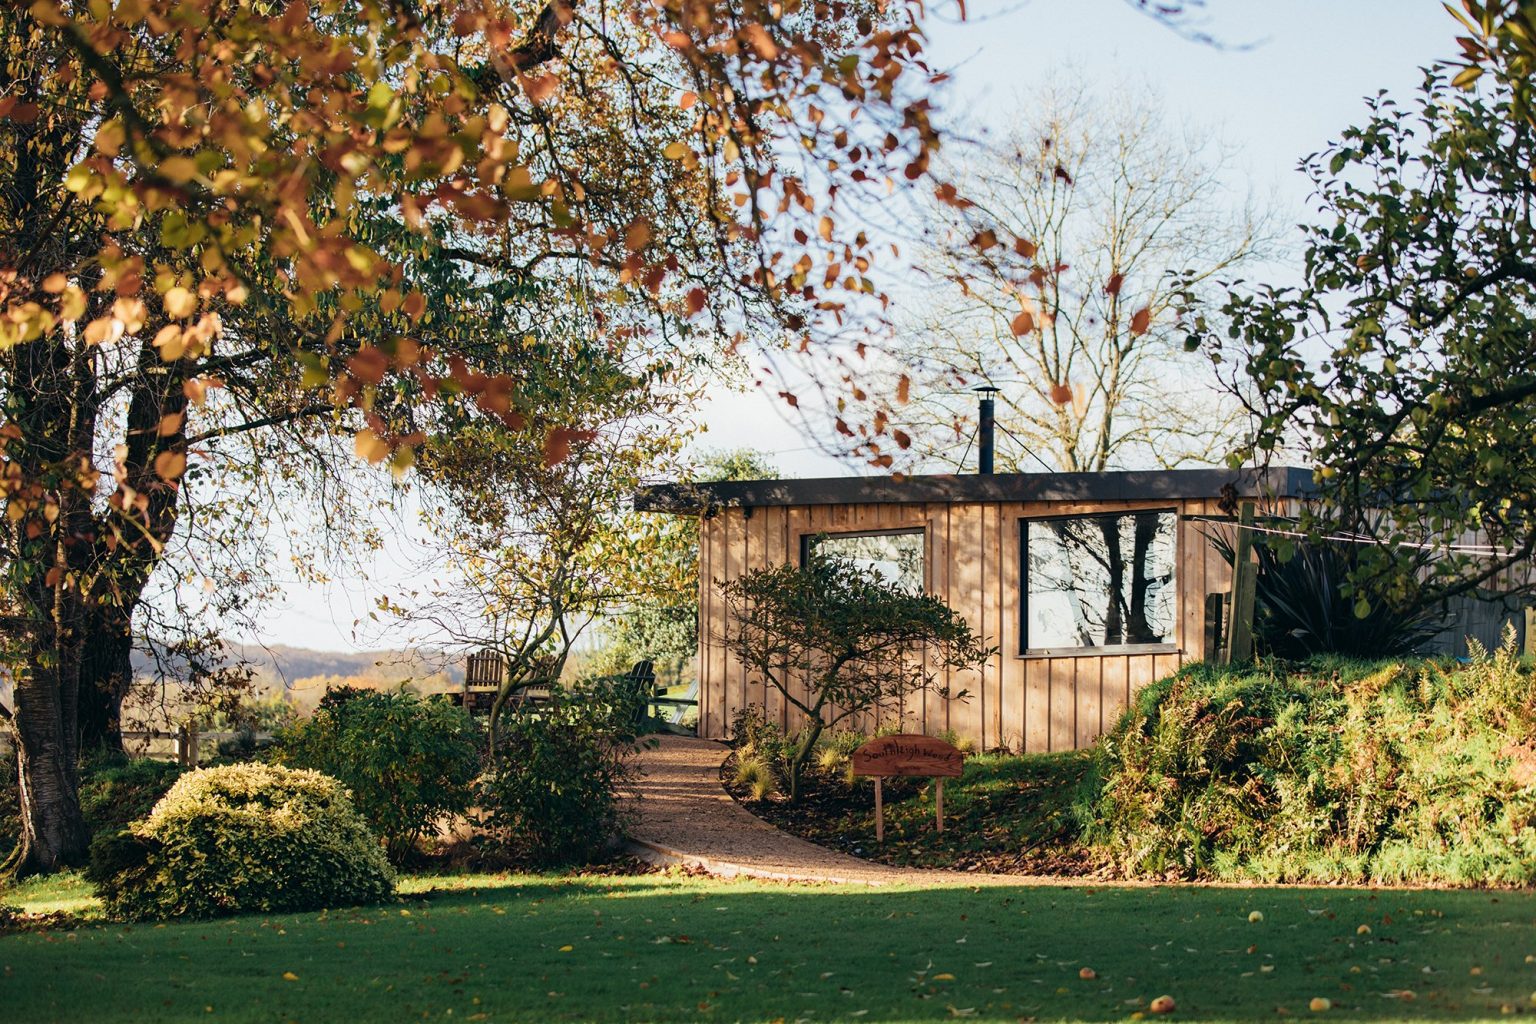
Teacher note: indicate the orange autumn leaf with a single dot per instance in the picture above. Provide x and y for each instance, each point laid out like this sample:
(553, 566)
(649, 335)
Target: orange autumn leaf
(758, 38)
(638, 236)
(557, 443)
(415, 305)
(541, 88)
(904, 389)
(368, 365)
(1141, 321)
(170, 465)
(1022, 324)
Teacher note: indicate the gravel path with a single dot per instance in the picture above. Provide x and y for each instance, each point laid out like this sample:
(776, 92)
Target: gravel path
(685, 817)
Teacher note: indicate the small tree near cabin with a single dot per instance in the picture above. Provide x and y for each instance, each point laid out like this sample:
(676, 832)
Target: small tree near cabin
(855, 641)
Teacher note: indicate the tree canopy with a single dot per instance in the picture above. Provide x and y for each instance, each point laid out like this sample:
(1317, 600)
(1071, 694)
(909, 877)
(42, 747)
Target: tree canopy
(1076, 329)
(1403, 367)
(341, 218)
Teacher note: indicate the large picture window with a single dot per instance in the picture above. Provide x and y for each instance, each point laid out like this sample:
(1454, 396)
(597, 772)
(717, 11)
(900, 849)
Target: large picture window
(1099, 581)
(898, 556)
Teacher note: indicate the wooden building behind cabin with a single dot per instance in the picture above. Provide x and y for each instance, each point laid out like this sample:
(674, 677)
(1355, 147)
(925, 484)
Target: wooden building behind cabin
(1090, 585)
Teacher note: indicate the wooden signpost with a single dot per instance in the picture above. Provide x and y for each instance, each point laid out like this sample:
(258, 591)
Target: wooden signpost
(907, 755)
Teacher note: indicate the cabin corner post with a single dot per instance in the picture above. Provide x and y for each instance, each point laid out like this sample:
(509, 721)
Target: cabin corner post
(1245, 581)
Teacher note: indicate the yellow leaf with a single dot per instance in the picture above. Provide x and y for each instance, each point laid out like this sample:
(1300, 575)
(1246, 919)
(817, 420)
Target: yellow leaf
(170, 342)
(178, 169)
(290, 976)
(179, 303)
(944, 977)
(675, 151)
(566, 949)
(1466, 76)
(370, 446)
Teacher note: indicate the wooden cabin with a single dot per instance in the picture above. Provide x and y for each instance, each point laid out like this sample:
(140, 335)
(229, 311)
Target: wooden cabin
(1091, 585)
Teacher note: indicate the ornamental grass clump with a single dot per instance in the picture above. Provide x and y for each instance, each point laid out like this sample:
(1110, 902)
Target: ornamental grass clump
(1418, 772)
(237, 839)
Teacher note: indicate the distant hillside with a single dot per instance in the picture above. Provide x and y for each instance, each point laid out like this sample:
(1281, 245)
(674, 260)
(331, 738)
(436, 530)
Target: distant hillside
(279, 666)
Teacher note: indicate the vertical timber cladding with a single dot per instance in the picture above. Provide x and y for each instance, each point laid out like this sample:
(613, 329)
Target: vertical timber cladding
(1034, 703)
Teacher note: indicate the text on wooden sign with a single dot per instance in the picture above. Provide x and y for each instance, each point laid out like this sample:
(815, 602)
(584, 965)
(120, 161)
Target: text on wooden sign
(908, 755)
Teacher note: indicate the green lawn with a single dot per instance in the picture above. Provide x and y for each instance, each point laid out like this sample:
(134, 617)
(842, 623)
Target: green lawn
(644, 948)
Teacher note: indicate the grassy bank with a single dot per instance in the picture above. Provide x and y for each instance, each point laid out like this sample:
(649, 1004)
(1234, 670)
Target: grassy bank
(1341, 772)
(1417, 772)
(662, 948)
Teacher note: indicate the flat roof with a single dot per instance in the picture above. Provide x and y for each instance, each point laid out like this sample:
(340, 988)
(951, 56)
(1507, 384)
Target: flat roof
(1131, 485)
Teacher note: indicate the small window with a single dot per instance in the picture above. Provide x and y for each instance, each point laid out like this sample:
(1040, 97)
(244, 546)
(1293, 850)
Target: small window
(1099, 581)
(899, 556)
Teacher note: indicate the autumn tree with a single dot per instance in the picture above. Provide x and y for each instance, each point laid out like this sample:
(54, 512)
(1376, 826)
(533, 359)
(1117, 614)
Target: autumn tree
(165, 193)
(663, 624)
(1403, 367)
(1074, 325)
(837, 640)
(538, 533)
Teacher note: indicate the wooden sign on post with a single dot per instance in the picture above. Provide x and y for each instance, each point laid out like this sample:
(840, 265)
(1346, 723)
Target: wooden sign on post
(905, 754)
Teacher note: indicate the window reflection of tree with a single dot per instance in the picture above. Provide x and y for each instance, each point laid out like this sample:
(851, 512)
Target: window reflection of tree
(897, 557)
(1113, 599)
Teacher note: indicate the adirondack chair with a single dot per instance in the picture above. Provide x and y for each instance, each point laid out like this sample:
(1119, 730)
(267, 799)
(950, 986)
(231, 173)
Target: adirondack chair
(670, 710)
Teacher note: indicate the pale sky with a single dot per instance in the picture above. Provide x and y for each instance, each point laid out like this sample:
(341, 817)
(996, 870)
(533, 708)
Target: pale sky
(1296, 83)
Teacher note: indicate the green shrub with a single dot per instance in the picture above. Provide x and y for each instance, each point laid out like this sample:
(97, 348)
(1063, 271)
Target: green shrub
(408, 762)
(551, 796)
(1412, 772)
(116, 792)
(241, 838)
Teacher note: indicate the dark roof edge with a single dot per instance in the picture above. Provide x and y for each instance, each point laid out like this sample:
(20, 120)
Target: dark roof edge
(1132, 485)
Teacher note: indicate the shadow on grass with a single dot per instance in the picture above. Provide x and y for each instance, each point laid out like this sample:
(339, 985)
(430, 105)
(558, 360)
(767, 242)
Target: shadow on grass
(657, 948)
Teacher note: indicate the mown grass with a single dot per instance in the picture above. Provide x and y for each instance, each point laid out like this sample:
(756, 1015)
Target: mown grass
(663, 948)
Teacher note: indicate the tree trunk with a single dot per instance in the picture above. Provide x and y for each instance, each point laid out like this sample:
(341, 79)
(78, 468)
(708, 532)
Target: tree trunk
(53, 832)
(803, 748)
(1139, 630)
(106, 675)
(1114, 562)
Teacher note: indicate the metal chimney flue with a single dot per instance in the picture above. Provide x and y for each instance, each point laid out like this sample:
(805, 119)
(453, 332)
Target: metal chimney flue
(986, 439)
